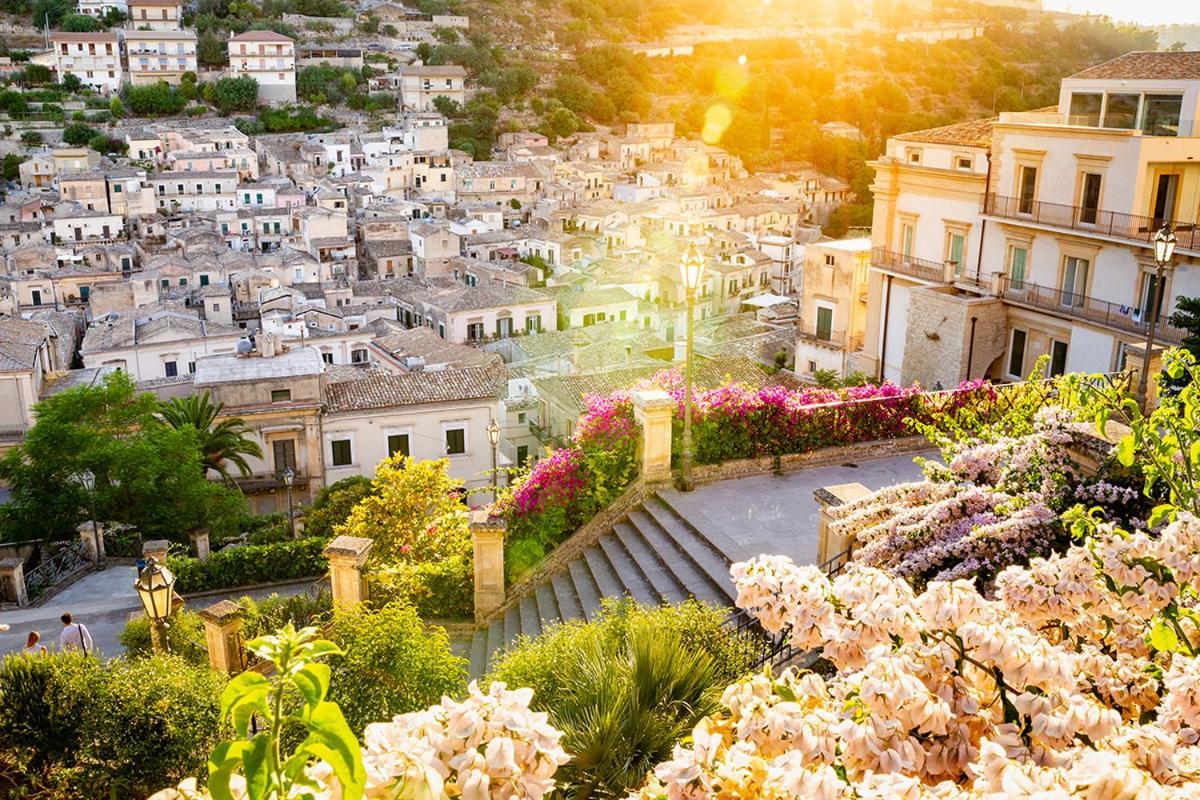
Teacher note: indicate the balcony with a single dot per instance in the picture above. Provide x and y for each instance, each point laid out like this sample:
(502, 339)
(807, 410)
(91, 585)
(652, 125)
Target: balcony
(833, 340)
(1115, 317)
(1090, 221)
(919, 268)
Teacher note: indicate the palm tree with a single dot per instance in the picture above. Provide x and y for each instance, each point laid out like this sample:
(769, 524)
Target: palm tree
(221, 443)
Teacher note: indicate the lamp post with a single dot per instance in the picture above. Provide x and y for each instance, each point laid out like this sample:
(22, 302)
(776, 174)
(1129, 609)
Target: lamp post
(1164, 249)
(88, 479)
(493, 434)
(289, 477)
(691, 272)
(156, 587)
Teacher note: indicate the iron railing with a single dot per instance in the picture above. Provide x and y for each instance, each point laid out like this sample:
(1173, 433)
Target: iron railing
(1123, 318)
(919, 268)
(66, 562)
(12, 433)
(1095, 221)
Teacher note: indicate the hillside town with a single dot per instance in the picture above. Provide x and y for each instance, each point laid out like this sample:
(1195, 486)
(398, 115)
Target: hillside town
(391, 407)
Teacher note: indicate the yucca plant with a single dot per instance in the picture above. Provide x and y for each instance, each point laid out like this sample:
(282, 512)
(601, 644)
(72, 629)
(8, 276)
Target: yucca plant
(222, 444)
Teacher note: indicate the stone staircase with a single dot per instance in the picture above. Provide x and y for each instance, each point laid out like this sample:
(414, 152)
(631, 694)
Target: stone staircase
(660, 552)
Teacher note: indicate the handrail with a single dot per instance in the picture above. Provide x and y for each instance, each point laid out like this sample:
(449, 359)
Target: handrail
(59, 566)
(919, 268)
(1096, 221)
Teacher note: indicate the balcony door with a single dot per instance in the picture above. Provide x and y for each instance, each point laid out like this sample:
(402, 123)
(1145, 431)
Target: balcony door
(1089, 200)
(1058, 359)
(1074, 285)
(1149, 290)
(284, 452)
(824, 323)
(1166, 191)
(1026, 190)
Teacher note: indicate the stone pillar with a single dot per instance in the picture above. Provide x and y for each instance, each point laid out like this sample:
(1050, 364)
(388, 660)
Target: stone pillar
(1089, 449)
(223, 636)
(12, 575)
(654, 410)
(92, 537)
(156, 549)
(827, 497)
(346, 555)
(200, 543)
(487, 538)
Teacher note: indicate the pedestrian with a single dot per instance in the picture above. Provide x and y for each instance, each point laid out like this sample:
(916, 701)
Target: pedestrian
(33, 645)
(74, 635)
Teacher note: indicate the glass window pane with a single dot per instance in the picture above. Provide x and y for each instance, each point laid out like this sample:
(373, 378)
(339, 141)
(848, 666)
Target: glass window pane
(456, 441)
(1162, 115)
(398, 443)
(1121, 111)
(1019, 255)
(1085, 109)
(1016, 355)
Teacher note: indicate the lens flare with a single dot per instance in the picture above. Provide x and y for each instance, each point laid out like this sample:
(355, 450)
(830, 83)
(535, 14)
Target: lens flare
(716, 122)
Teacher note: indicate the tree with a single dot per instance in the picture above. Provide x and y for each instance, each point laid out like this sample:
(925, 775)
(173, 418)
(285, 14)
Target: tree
(31, 138)
(560, 122)
(116, 108)
(78, 134)
(51, 12)
(79, 23)
(222, 443)
(211, 50)
(12, 164)
(1187, 318)
(413, 513)
(71, 81)
(36, 75)
(146, 473)
(155, 100)
(334, 503)
(446, 106)
(236, 94)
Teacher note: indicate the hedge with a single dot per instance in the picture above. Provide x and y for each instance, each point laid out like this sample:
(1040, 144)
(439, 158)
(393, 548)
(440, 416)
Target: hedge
(443, 589)
(250, 564)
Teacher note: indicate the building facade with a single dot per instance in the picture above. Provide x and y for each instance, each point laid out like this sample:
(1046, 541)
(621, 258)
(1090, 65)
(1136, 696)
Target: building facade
(269, 58)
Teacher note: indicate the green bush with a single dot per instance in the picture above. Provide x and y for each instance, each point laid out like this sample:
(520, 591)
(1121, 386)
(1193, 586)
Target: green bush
(185, 635)
(392, 665)
(41, 715)
(332, 505)
(251, 564)
(442, 589)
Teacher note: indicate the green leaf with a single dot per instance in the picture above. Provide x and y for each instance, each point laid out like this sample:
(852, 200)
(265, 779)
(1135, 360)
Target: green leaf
(1162, 513)
(241, 697)
(257, 769)
(1163, 638)
(312, 681)
(1125, 451)
(222, 764)
(331, 740)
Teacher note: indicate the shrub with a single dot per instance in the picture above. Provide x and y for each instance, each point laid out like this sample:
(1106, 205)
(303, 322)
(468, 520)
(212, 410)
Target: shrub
(235, 94)
(31, 138)
(40, 714)
(392, 664)
(333, 504)
(441, 589)
(78, 134)
(156, 99)
(185, 635)
(251, 564)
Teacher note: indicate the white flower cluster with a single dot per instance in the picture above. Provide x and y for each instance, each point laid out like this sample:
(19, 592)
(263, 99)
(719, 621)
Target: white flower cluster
(1074, 682)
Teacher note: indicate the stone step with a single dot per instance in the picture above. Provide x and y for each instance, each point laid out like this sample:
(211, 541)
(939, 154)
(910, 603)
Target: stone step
(547, 604)
(564, 592)
(512, 624)
(693, 579)
(654, 568)
(585, 587)
(603, 573)
(531, 623)
(712, 562)
(632, 580)
(495, 641)
(479, 654)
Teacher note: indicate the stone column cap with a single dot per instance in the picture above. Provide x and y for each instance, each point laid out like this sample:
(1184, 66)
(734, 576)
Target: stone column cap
(647, 399)
(839, 494)
(484, 518)
(155, 546)
(348, 546)
(11, 562)
(221, 612)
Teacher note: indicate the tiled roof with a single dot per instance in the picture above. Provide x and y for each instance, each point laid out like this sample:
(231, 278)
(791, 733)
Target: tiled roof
(424, 343)
(1146, 65)
(19, 343)
(417, 388)
(260, 36)
(592, 298)
(66, 36)
(977, 133)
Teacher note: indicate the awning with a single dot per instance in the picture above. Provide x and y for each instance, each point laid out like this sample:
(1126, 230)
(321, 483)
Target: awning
(766, 300)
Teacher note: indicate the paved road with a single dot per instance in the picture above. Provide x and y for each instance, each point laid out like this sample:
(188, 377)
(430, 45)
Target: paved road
(777, 514)
(104, 601)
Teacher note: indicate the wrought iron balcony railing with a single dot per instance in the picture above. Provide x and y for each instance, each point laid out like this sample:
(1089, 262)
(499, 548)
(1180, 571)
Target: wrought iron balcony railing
(919, 268)
(1095, 221)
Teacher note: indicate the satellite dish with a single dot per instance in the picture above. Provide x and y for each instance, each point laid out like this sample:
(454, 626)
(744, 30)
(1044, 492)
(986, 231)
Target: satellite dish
(244, 346)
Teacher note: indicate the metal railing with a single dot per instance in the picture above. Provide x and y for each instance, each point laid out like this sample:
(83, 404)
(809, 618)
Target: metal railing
(1126, 319)
(919, 268)
(68, 560)
(1095, 221)
(12, 433)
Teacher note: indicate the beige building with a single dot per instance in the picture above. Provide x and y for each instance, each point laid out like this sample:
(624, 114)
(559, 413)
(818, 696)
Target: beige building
(269, 58)
(160, 55)
(94, 58)
(155, 15)
(833, 304)
(421, 84)
(160, 344)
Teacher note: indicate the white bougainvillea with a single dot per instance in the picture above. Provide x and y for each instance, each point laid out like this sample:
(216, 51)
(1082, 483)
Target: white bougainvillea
(1078, 680)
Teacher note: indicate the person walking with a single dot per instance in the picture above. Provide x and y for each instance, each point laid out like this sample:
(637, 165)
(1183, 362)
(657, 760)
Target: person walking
(33, 645)
(74, 635)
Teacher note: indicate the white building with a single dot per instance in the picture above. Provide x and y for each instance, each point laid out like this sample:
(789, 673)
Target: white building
(160, 55)
(94, 58)
(269, 58)
(421, 84)
(155, 15)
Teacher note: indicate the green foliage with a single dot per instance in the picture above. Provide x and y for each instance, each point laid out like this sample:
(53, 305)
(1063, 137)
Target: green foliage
(35, 75)
(334, 503)
(222, 444)
(295, 695)
(185, 635)
(79, 23)
(155, 100)
(51, 12)
(235, 94)
(31, 138)
(14, 102)
(122, 728)
(12, 166)
(392, 664)
(285, 119)
(323, 83)
(71, 81)
(248, 565)
(78, 134)
(441, 589)
(116, 108)
(147, 475)
(212, 50)
(369, 25)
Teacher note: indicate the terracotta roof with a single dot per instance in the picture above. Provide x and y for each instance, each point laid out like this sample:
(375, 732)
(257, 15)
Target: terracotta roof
(67, 36)
(977, 133)
(417, 388)
(260, 36)
(1146, 65)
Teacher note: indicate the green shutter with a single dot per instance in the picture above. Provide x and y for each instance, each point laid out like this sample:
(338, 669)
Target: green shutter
(1017, 278)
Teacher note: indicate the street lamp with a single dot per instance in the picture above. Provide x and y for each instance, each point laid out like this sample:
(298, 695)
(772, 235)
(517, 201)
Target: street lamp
(289, 477)
(88, 479)
(156, 587)
(493, 434)
(1164, 249)
(691, 272)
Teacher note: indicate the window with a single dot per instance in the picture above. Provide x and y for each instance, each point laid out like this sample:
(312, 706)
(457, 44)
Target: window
(830, 260)
(914, 156)
(1074, 286)
(442, 330)
(204, 280)
(1025, 192)
(358, 355)
(533, 323)
(522, 455)
(456, 441)
(504, 327)
(1016, 354)
(172, 368)
(1149, 288)
(1085, 109)
(956, 242)
(824, 323)
(1161, 114)
(1121, 110)
(340, 451)
(284, 452)
(116, 188)
(474, 331)
(1058, 359)
(907, 234)
(963, 163)
(281, 395)
(1089, 201)
(398, 443)
(191, 367)
(1017, 260)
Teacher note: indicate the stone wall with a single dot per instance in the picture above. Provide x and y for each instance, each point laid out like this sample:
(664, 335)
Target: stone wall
(746, 467)
(939, 336)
